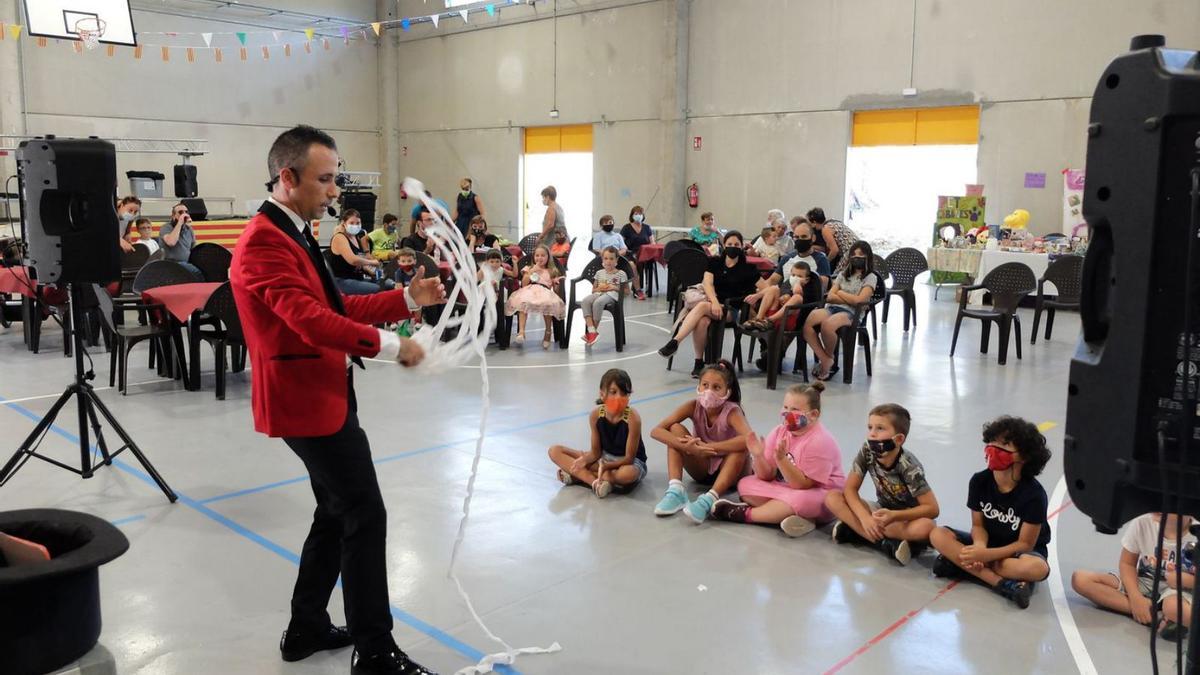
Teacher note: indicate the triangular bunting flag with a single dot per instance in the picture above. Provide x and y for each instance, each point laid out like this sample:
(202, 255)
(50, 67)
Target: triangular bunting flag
(207, 39)
(308, 33)
(137, 52)
(463, 14)
(191, 55)
(266, 53)
(242, 38)
(404, 24)
(491, 10)
(172, 34)
(376, 26)
(217, 56)
(325, 44)
(78, 46)
(166, 54)
(275, 34)
(2, 31)
(434, 18)
(287, 49)
(243, 53)
(42, 42)
(110, 49)
(14, 30)
(307, 47)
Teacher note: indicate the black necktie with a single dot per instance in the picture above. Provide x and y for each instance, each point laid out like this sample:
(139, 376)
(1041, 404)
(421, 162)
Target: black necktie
(331, 290)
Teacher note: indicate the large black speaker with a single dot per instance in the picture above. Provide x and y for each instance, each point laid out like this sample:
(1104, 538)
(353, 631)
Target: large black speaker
(364, 203)
(68, 190)
(1131, 378)
(185, 181)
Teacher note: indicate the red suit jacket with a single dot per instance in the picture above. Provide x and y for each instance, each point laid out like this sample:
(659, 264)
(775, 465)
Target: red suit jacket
(299, 328)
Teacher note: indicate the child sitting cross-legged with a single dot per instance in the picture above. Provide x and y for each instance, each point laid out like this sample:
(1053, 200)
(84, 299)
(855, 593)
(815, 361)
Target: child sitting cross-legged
(1006, 548)
(793, 471)
(905, 508)
(1130, 590)
(617, 459)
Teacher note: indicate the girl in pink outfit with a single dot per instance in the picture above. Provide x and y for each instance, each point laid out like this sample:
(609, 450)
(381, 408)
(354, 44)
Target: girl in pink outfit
(793, 470)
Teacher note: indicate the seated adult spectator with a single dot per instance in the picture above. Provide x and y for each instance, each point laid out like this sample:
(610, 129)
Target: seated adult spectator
(385, 238)
(728, 276)
(478, 237)
(416, 239)
(706, 233)
(354, 272)
(467, 206)
(145, 230)
(778, 221)
(637, 233)
(128, 210)
(802, 237)
(850, 290)
(177, 237)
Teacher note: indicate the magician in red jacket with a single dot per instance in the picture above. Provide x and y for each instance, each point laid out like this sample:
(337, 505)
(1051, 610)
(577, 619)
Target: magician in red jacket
(302, 335)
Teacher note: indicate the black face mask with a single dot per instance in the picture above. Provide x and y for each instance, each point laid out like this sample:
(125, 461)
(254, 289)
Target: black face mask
(734, 252)
(858, 264)
(803, 245)
(607, 227)
(880, 448)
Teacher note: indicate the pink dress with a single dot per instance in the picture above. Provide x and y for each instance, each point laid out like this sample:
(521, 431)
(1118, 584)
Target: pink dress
(815, 453)
(537, 298)
(718, 431)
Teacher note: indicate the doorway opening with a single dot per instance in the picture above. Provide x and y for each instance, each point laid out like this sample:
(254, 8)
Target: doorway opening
(561, 157)
(899, 163)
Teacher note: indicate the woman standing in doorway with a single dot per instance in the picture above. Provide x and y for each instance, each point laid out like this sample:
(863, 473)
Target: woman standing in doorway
(554, 219)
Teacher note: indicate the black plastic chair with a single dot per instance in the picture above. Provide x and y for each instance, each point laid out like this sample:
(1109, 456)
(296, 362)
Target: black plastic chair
(617, 309)
(130, 264)
(1008, 285)
(882, 274)
(849, 337)
(225, 335)
(126, 337)
(1066, 273)
(213, 260)
(777, 338)
(530, 242)
(685, 268)
(161, 273)
(904, 265)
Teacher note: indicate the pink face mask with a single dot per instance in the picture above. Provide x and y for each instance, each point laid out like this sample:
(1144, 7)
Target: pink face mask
(710, 399)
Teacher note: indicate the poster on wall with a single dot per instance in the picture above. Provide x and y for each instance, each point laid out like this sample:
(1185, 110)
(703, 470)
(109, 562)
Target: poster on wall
(1073, 223)
(962, 213)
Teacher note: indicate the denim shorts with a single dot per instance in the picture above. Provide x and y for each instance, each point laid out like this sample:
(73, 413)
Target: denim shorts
(637, 464)
(834, 310)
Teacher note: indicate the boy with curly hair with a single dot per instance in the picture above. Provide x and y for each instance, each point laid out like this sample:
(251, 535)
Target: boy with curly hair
(1006, 548)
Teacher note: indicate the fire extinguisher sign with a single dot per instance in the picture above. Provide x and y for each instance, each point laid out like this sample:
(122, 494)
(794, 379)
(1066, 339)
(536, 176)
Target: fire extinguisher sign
(697, 142)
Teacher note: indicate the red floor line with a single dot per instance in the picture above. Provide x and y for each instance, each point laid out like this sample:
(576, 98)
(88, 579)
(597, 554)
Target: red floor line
(904, 619)
(888, 631)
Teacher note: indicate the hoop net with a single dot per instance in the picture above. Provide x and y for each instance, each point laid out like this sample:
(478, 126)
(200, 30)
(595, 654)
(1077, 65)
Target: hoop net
(90, 29)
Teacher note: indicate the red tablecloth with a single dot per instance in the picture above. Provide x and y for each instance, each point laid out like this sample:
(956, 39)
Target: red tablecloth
(181, 299)
(651, 253)
(762, 264)
(15, 280)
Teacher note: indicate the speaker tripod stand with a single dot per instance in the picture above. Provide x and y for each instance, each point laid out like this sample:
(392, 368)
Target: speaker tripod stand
(87, 405)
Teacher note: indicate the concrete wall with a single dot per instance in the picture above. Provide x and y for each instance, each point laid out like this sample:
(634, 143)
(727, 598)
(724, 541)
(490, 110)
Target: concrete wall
(238, 107)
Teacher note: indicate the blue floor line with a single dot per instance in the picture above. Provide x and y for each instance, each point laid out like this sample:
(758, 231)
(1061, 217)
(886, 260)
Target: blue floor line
(131, 519)
(399, 614)
(441, 446)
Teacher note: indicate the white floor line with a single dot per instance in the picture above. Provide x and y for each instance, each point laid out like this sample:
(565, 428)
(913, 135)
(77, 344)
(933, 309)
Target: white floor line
(1058, 595)
(43, 396)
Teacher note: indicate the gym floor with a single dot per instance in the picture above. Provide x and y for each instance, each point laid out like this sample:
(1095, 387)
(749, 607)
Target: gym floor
(205, 585)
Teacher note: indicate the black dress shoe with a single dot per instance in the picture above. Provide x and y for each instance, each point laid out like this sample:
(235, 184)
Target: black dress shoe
(394, 662)
(295, 646)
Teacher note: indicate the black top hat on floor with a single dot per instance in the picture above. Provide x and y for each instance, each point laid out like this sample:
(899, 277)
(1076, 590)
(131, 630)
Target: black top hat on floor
(51, 611)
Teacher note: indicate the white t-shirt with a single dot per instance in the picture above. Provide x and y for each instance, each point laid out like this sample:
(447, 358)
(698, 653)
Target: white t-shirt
(151, 244)
(1141, 537)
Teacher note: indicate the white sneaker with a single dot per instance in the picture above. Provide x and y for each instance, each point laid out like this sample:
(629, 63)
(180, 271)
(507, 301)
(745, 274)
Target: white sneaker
(795, 526)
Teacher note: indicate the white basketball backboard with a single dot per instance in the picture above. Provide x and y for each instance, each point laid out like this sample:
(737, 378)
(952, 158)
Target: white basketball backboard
(62, 19)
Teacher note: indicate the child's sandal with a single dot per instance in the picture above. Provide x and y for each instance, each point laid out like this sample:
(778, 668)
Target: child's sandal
(601, 488)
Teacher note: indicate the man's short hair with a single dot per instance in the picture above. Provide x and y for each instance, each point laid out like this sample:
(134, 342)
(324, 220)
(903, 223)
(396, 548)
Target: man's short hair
(290, 150)
(389, 218)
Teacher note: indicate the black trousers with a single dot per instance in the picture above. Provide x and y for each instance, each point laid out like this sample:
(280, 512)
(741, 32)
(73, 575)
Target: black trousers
(348, 537)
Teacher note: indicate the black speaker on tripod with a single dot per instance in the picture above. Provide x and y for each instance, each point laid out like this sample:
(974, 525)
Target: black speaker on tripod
(71, 229)
(185, 181)
(69, 216)
(362, 201)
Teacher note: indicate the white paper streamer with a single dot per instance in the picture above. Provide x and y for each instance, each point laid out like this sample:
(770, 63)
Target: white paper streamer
(474, 324)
